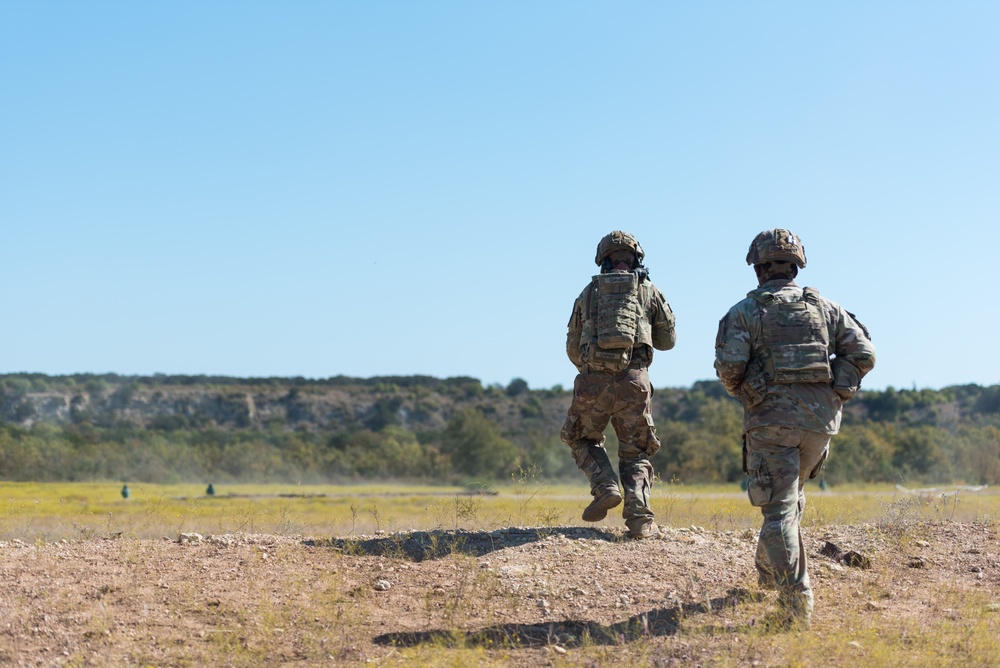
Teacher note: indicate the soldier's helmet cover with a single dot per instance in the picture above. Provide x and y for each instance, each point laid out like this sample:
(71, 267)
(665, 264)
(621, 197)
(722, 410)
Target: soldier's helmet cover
(616, 241)
(777, 245)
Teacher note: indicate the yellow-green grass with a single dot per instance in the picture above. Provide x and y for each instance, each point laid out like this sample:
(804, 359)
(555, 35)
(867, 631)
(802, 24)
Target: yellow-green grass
(54, 511)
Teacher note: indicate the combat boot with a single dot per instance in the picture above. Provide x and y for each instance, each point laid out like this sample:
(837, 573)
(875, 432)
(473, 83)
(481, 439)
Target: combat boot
(593, 460)
(604, 500)
(794, 611)
(646, 529)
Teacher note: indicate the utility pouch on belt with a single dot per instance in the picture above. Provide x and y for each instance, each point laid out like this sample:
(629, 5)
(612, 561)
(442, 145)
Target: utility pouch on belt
(613, 361)
(614, 312)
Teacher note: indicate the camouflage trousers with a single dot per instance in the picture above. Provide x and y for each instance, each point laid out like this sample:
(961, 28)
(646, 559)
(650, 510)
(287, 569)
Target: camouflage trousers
(625, 400)
(779, 459)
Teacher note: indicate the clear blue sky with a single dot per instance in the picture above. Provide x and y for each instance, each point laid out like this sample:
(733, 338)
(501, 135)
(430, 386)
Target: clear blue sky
(395, 188)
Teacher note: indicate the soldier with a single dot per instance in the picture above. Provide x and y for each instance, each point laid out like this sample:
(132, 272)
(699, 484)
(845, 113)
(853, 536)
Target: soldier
(792, 358)
(617, 321)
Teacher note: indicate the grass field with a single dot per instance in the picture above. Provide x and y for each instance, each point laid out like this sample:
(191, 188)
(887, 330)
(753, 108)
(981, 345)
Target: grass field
(56, 511)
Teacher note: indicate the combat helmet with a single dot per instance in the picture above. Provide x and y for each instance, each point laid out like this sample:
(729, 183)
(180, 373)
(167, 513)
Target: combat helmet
(618, 240)
(777, 245)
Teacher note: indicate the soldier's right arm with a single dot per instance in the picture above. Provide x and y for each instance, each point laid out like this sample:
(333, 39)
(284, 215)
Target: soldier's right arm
(732, 351)
(573, 333)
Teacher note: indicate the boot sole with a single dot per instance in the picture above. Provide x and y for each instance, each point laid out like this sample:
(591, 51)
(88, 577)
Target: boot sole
(599, 510)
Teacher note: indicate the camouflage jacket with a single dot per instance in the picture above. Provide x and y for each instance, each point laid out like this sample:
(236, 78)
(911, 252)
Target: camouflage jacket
(655, 331)
(816, 406)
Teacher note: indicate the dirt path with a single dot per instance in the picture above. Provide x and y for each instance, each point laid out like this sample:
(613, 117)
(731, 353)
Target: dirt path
(541, 593)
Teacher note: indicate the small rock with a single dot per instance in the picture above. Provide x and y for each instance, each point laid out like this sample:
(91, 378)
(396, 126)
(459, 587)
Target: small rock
(856, 645)
(192, 537)
(872, 605)
(923, 543)
(993, 607)
(382, 585)
(857, 560)
(917, 562)
(558, 650)
(831, 550)
(976, 569)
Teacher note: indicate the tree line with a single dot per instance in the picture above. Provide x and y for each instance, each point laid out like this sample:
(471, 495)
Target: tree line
(443, 430)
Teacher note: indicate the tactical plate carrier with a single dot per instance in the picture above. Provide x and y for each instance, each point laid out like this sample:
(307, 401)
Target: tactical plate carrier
(796, 338)
(613, 316)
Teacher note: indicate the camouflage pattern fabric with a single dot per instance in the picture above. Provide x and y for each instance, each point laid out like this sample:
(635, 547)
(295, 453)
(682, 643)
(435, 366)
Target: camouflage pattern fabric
(740, 353)
(796, 338)
(637, 476)
(777, 245)
(625, 400)
(593, 460)
(788, 425)
(655, 328)
(779, 459)
(618, 240)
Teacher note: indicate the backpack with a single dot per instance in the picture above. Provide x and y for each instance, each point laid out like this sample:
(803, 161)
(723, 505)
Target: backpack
(796, 338)
(614, 311)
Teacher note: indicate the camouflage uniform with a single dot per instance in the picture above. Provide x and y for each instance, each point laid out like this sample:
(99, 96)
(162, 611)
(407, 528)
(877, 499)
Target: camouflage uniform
(623, 398)
(787, 424)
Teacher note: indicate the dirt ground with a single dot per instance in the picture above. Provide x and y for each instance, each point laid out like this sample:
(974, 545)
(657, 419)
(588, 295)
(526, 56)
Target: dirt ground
(518, 596)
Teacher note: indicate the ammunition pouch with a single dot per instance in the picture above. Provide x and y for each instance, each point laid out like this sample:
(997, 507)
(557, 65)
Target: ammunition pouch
(601, 360)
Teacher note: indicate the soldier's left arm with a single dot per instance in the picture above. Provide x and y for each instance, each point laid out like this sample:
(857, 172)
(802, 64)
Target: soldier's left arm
(663, 321)
(853, 350)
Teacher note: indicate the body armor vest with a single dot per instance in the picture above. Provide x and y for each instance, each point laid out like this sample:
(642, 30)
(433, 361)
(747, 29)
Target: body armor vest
(796, 338)
(614, 321)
